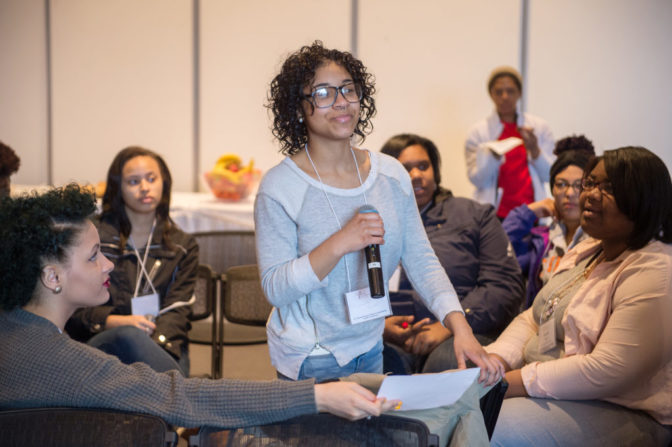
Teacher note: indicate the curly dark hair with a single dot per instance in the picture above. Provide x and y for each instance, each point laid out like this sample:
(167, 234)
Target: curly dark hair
(574, 143)
(114, 210)
(286, 93)
(9, 161)
(35, 229)
(575, 150)
(643, 192)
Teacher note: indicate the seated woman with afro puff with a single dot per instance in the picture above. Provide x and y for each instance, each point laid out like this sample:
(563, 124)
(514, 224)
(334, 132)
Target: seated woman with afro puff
(51, 265)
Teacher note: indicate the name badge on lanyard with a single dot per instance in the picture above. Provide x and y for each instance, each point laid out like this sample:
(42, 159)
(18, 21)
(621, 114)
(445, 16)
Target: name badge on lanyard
(361, 307)
(547, 338)
(147, 305)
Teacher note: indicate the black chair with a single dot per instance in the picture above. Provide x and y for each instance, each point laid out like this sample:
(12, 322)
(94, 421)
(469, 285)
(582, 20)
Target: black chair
(243, 303)
(203, 331)
(81, 427)
(491, 403)
(223, 249)
(324, 430)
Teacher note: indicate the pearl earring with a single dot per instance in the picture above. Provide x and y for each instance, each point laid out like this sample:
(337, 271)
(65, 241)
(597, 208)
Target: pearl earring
(300, 119)
(57, 290)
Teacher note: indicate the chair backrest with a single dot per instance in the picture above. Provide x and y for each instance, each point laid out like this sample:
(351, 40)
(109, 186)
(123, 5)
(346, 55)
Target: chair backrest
(244, 299)
(223, 249)
(80, 427)
(204, 291)
(325, 430)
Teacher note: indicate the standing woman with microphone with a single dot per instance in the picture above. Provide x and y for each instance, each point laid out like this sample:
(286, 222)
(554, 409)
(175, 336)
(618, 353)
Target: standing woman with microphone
(318, 210)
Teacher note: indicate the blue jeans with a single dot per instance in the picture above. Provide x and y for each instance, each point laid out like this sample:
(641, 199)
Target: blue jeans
(525, 421)
(325, 367)
(131, 345)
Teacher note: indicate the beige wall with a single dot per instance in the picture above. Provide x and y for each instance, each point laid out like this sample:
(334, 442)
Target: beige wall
(123, 73)
(23, 86)
(243, 45)
(603, 68)
(431, 64)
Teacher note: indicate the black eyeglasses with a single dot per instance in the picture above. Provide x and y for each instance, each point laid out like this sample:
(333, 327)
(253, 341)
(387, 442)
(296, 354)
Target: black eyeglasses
(325, 95)
(605, 187)
(562, 185)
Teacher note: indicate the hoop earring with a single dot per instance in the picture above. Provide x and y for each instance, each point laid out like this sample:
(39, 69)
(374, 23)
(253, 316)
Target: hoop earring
(57, 290)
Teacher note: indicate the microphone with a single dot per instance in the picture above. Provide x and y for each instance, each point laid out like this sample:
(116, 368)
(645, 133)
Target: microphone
(373, 264)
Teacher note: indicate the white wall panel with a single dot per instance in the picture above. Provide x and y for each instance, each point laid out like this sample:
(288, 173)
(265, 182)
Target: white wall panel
(243, 45)
(122, 75)
(602, 68)
(431, 59)
(23, 87)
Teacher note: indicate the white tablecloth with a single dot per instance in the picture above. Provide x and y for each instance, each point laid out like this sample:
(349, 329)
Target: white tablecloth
(197, 212)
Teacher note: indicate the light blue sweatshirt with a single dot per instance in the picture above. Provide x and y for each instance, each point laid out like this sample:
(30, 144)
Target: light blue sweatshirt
(292, 217)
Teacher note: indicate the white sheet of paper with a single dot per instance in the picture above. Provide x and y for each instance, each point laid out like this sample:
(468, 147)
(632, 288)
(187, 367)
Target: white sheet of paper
(361, 307)
(422, 391)
(501, 147)
(145, 305)
(393, 283)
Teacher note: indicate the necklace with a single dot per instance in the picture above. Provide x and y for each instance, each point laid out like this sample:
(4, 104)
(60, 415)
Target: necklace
(561, 294)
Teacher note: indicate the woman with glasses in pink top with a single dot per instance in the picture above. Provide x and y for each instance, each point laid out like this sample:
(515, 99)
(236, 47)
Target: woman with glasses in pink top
(590, 363)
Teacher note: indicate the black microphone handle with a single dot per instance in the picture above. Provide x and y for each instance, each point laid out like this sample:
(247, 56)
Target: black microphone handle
(375, 271)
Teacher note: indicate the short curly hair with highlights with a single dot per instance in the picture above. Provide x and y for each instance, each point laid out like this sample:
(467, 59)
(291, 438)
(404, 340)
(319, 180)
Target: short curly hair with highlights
(35, 229)
(298, 71)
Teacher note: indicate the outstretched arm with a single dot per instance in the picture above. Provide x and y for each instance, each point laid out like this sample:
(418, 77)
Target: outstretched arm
(350, 400)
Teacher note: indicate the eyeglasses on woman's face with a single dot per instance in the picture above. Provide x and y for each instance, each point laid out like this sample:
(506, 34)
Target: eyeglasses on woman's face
(605, 187)
(324, 96)
(562, 185)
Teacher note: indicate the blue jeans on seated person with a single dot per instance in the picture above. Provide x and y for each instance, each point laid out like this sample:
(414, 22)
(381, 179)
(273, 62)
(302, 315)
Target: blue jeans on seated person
(131, 345)
(325, 367)
(528, 422)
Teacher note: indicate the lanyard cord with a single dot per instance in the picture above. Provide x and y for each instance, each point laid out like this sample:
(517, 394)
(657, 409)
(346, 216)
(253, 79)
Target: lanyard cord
(331, 206)
(560, 292)
(143, 261)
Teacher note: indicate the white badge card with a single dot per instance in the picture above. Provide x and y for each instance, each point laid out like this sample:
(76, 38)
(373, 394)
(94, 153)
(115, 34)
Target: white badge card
(361, 307)
(547, 340)
(145, 305)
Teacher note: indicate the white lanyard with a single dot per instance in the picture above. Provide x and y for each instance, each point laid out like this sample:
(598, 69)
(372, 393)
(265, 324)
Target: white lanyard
(333, 211)
(143, 262)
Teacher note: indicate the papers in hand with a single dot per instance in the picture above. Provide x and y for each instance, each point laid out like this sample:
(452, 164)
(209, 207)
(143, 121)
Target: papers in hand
(501, 147)
(422, 391)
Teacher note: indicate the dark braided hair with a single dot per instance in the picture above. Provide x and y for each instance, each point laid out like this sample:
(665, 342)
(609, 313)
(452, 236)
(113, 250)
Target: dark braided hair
(36, 229)
(286, 93)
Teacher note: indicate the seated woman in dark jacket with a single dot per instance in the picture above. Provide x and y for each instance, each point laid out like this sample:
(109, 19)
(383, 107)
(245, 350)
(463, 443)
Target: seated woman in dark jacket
(151, 256)
(473, 249)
